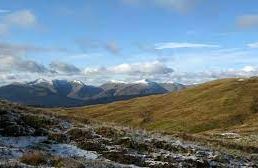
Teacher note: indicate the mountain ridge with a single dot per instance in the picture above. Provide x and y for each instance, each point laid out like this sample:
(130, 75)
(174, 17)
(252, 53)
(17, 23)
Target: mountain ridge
(51, 93)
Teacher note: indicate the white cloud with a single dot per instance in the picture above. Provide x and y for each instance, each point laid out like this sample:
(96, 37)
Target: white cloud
(204, 76)
(249, 69)
(30, 66)
(61, 67)
(145, 68)
(107, 74)
(174, 45)
(12, 58)
(253, 45)
(213, 59)
(22, 19)
(13, 63)
(248, 21)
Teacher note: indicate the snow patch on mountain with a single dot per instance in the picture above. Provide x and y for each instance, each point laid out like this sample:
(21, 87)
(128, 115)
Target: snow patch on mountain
(78, 82)
(117, 81)
(39, 81)
(143, 81)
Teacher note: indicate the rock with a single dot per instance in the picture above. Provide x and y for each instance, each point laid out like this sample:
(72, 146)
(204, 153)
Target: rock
(191, 163)
(92, 145)
(124, 158)
(169, 146)
(66, 163)
(158, 164)
(230, 135)
(41, 132)
(59, 137)
(130, 143)
(79, 133)
(13, 125)
(110, 132)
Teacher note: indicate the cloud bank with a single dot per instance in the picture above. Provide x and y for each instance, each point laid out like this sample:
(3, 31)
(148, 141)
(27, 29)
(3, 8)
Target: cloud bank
(12, 58)
(64, 68)
(138, 69)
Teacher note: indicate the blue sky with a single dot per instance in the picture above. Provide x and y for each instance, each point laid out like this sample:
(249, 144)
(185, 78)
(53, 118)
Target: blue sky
(96, 41)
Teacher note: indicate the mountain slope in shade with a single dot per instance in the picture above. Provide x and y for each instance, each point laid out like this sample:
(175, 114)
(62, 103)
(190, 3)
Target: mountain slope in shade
(229, 104)
(171, 87)
(143, 87)
(36, 95)
(42, 92)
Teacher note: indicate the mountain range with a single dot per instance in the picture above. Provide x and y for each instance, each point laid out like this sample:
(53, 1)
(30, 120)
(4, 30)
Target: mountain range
(64, 93)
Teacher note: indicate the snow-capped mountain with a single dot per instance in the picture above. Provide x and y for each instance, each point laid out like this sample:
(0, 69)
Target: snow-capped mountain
(140, 87)
(143, 81)
(173, 86)
(77, 82)
(40, 81)
(117, 81)
(73, 93)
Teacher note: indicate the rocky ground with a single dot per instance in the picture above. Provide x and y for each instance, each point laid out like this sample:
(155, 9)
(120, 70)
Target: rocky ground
(37, 140)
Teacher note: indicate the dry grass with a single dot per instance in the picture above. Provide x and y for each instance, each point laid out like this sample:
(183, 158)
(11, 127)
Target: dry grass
(34, 158)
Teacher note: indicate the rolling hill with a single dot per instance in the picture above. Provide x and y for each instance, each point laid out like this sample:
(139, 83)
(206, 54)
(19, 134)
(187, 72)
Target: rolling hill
(228, 105)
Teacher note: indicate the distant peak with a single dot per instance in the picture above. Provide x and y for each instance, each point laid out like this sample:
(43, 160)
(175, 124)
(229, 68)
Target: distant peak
(171, 82)
(143, 81)
(38, 81)
(41, 80)
(117, 81)
(78, 82)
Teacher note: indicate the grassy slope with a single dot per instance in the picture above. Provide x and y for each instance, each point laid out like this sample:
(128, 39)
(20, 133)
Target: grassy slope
(222, 104)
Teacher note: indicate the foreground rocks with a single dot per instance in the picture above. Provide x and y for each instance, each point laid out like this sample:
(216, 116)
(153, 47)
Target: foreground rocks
(13, 125)
(30, 140)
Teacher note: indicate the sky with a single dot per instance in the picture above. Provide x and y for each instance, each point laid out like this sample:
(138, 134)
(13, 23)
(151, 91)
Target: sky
(96, 41)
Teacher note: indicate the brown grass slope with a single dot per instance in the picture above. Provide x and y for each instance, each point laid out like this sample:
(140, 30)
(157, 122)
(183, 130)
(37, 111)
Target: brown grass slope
(228, 104)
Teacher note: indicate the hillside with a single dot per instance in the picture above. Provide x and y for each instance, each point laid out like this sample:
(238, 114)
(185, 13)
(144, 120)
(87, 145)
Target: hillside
(220, 104)
(30, 137)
